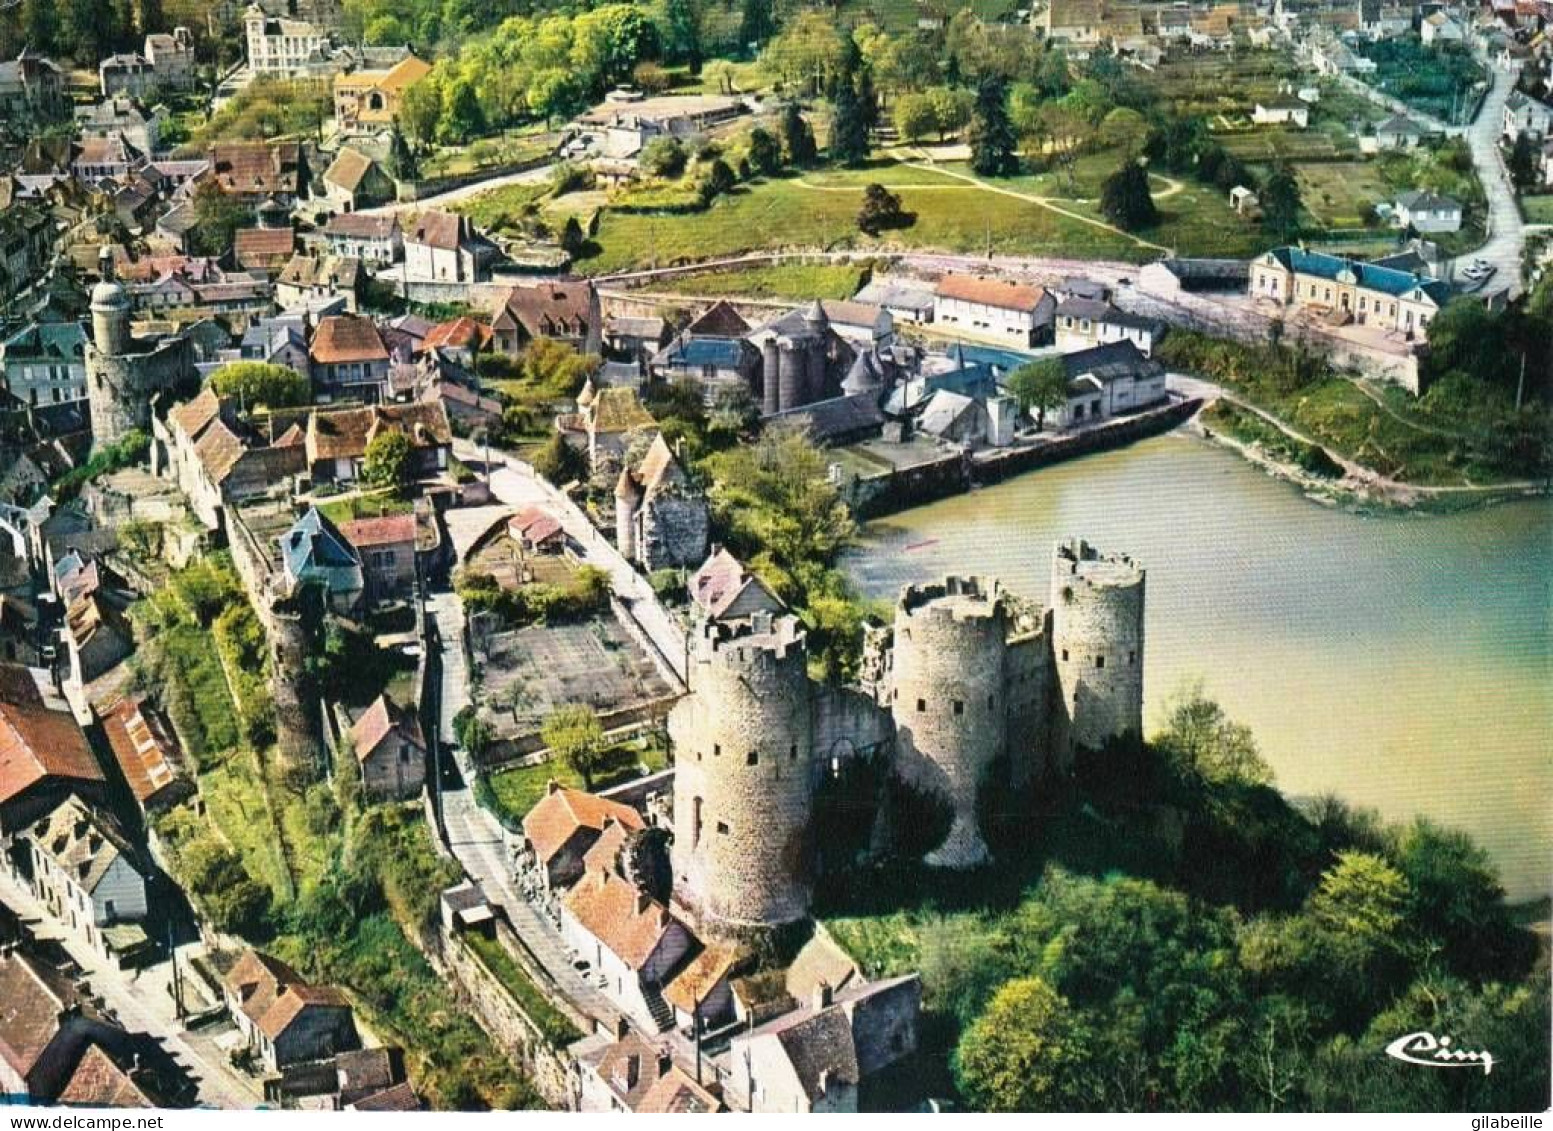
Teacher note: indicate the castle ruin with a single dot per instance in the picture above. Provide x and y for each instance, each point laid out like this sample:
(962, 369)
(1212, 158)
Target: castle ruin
(124, 374)
(966, 678)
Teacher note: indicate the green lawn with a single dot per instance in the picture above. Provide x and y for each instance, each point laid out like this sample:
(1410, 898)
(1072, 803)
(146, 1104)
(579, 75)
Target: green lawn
(489, 152)
(556, 1026)
(1341, 194)
(1538, 209)
(775, 280)
(513, 792)
(378, 504)
(499, 208)
(233, 793)
(198, 699)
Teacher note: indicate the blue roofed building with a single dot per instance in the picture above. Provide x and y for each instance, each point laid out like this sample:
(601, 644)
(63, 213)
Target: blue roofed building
(711, 350)
(1343, 291)
(45, 363)
(313, 551)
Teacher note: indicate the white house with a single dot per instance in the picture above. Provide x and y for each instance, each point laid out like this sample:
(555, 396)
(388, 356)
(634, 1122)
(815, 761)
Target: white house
(1018, 313)
(629, 939)
(1439, 29)
(84, 871)
(278, 45)
(1524, 114)
(1426, 212)
(1109, 380)
(1281, 113)
(374, 239)
(444, 247)
(1085, 322)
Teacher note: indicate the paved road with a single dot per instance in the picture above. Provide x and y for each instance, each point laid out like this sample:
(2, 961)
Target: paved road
(1506, 229)
(140, 1001)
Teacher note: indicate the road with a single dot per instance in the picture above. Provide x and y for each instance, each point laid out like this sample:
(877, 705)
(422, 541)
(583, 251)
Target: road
(1506, 230)
(141, 1003)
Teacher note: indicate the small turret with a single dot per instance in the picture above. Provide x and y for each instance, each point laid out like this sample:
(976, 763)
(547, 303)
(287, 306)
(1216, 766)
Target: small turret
(110, 309)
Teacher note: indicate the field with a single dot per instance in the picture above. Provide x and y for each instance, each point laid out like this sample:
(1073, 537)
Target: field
(775, 280)
(1537, 209)
(1436, 82)
(489, 153)
(1340, 194)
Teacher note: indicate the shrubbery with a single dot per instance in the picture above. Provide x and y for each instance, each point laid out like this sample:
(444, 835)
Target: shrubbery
(586, 594)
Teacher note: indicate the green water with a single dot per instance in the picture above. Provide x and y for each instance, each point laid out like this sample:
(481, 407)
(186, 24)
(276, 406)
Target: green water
(1403, 662)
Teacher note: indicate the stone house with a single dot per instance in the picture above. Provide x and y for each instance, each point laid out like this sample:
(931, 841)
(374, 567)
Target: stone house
(460, 340)
(1524, 114)
(215, 461)
(353, 180)
(444, 247)
(387, 549)
(45, 363)
(314, 552)
(279, 45)
(129, 73)
(148, 755)
(1398, 132)
(310, 279)
(605, 423)
(1018, 313)
(907, 299)
(172, 57)
(122, 116)
(1427, 212)
(85, 872)
(255, 171)
(373, 239)
(32, 90)
(537, 531)
(723, 589)
(563, 310)
(21, 641)
(1083, 322)
(98, 637)
(1109, 380)
(349, 360)
(662, 520)
(823, 1058)
(630, 940)
(565, 824)
(635, 338)
(390, 750)
(284, 1019)
(265, 250)
(701, 993)
(337, 439)
(369, 100)
(622, 1071)
(1281, 112)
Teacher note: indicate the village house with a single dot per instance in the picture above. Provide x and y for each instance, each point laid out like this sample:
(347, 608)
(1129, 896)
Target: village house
(215, 460)
(21, 638)
(537, 531)
(284, 1019)
(373, 239)
(701, 993)
(1109, 380)
(1017, 313)
(390, 750)
(630, 940)
(823, 1058)
(1427, 212)
(369, 100)
(1438, 29)
(626, 120)
(349, 360)
(1330, 285)
(148, 755)
(337, 439)
(662, 521)
(968, 422)
(444, 247)
(45, 363)
(254, 171)
(1398, 132)
(635, 338)
(723, 589)
(122, 116)
(129, 73)
(563, 310)
(87, 875)
(32, 90)
(314, 552)
(1524, 114)
(280, 46)
(353, 180)
(622, 1071)
(98, 636)
(459, 340)
(264, 250)
(909, 300)
(1086, 322)
(713, 349)
(1281, 112)
(106, 158)
(564, 825)
(387, 549)
(309, 279)
(171, 55)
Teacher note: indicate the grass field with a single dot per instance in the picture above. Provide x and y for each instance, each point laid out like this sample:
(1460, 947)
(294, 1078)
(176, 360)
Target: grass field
(500, 208)
(1538, 209)
(489, 152)
(379, 504)
(1340, 194)
(776, 280)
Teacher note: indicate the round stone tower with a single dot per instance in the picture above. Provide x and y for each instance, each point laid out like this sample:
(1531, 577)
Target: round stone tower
(628, 499)
(123, 376)
(110, 309)
(1097, 645)
(770, 377)
(948, 699)
(742, 740)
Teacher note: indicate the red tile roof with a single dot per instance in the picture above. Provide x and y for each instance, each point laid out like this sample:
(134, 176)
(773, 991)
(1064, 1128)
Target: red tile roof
(562, 811)
(32, 997)
(263, 247)
(991, 292)
(620, 916)
(460, 333)
(144, 747)
(387, 530)
(378, 721)
(37, 741)
(345, 338)
(98, 1082)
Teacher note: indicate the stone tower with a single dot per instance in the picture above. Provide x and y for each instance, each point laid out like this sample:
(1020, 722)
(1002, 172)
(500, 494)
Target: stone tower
(123, 375)
(742, 790)
(949, 699)
(1097, 641)
(628, 500)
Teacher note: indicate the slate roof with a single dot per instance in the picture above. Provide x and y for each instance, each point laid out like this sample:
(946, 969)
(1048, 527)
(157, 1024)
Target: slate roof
(1424, 201)
(720, 320)
(562, 811)
(362, 226)
(719, 582)
(1383, 279)
(837, 418)
(1111, 362)
(314, 542)
(1205, 270)
(1100, 311)
(901, 294)
(47, 341)
(37, 740)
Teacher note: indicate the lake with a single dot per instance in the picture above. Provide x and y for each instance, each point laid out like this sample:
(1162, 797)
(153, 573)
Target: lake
(1403, 662)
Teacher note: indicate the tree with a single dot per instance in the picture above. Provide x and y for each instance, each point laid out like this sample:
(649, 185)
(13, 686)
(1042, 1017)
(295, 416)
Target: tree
(472, 732)
(1281, 203)
(559, 462)
(1523, 161)
(718, 181)
(462, 118)
(1124, 129)
(664, 157)
(765, 153)
(952, 109)
(757, 23)
(1027, 1052)
(1125, 199)
(1040, 387)
(914, 116)
(387, 459)
(797, 137)
(401, 163)
(1201, 741)
(682, 33)
(881, 209)
(40, 24)
(217, 218)
(993, 144)
(575, 736)
(259, 384)
(1364, 899)
(420, 109)
(848, 127)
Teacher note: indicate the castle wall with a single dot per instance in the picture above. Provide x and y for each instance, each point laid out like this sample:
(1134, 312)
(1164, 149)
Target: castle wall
(1028, 680)
(1097, 638)
(949, 700)
(742, 790)
(675, 530)
(120, 387)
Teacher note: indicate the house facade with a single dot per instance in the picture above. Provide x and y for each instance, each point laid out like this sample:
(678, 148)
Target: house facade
(443, 247)
(45, 363)
(1427, 212)
(84, 872)
(390, 750)
(1017, 313)
(1382, 297)
(1085, 322)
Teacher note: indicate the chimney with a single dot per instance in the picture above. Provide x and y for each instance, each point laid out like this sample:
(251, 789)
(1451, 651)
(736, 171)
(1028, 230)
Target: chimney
(552, 786)
(643, 901)
(822, 996)
(622, 1028)
(665, 1061)
(633, 1070)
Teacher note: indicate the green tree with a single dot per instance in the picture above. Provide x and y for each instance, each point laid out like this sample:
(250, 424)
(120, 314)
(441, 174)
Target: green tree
(40, 24)
(1281, 203)
(233, 899)
(798, 137)
(717, 181)
(420, 109)
(573, 238)
(1522, 162)
(1040, 387)
(1456, 897)
(462, 118)
(848, 127)
(1125, 199)
(559, 462)
(259, 384)
(682, 33)
(574, 734)
(881, 209)
(757, 22)
(994, 147)
(914, 116)
(386, 462)
(472, 731)
(401, 163)
(1026, 1053)
(1124, 129)
(1199, 740)
(664, 157)
(1364, 899)
(765, 153)
(217, 219)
